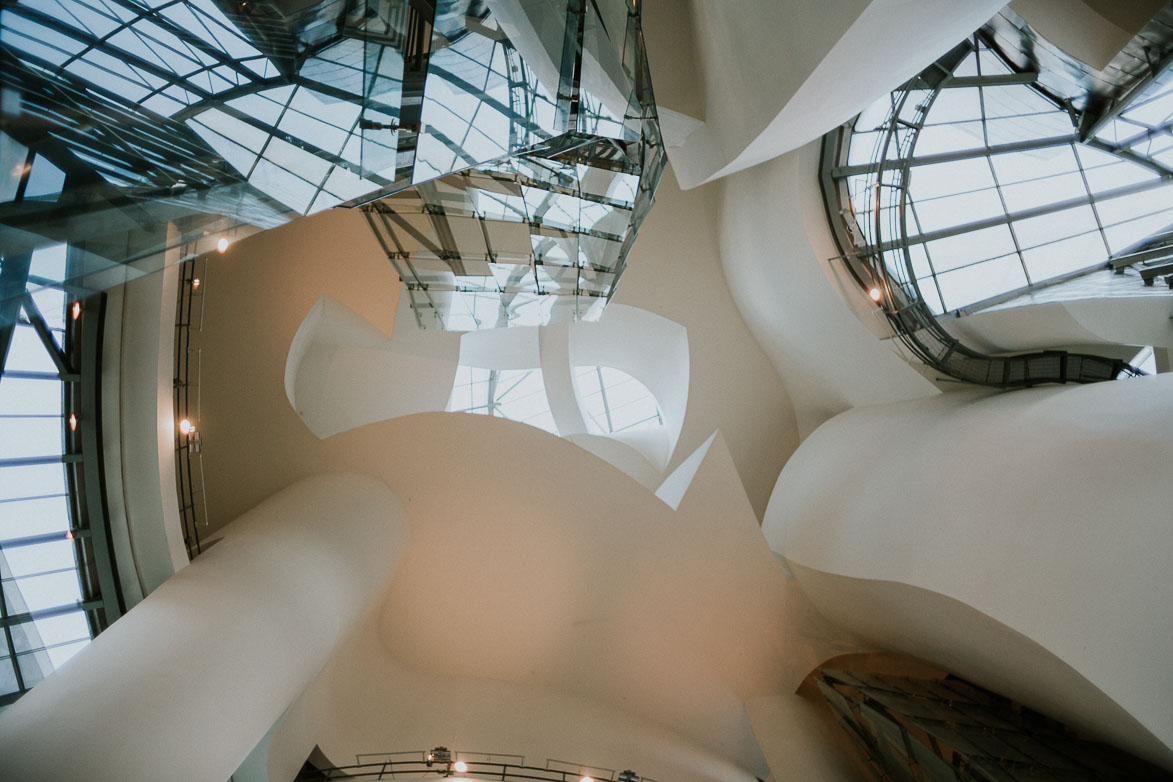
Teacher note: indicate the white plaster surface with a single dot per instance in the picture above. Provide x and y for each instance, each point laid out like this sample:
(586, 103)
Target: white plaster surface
(186, 684)
(1043, 509)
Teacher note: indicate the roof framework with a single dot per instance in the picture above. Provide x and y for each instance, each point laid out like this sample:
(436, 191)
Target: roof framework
(157, 123)
(970, 185)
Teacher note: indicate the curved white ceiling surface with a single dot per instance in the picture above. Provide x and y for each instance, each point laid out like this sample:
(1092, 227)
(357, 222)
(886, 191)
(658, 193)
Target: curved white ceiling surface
(617, 387)
(1036, 508)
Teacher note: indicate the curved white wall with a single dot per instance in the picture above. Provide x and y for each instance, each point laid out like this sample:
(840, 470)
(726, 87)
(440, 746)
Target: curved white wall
(342, 373)
(188, 682)
(1046, 510)
(1109, 320)
(776, 250)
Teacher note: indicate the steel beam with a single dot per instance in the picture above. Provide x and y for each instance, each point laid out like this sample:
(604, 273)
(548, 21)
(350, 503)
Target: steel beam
(838, 172)
(991, 80)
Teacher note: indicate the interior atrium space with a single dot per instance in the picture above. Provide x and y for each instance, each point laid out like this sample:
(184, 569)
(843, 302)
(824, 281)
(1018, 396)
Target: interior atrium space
(586, 390)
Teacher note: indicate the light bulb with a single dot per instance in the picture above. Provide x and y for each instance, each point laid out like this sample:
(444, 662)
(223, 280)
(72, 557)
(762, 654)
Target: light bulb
(874, 294)
(186, 427)
(195, 283)
(72, 422)
(222, 245)
(76, 310)
(460, 766)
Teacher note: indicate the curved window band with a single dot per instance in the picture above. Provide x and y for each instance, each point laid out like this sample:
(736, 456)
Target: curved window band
(968, 184)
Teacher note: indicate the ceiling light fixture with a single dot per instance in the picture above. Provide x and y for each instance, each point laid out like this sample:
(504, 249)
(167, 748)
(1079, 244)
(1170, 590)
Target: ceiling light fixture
(460, 766)
(222, 245)
(874, 294)
(186, 427)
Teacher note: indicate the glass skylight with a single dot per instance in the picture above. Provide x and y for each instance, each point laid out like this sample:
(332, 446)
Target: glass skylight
(206, 120)
(614, 401)
(44, 615)
(519, 395)
(1001, 195)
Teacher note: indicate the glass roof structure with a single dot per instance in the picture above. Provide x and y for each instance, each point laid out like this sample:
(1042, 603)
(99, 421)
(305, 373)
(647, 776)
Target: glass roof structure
(610, 400)
(1001, 194)
(134, 127)
(562, 111)
(969, 185)
(53, 568)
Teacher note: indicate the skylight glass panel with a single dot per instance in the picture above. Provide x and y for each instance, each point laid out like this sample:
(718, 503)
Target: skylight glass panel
(969, 284)
(1064, 256)
(613, 401)
(942, 212)
(265, 106)
(1124, 235)
(1034, 193)
(969, 248)
(1032, 206)
(94, 18)
(519, 395)
(36, 576)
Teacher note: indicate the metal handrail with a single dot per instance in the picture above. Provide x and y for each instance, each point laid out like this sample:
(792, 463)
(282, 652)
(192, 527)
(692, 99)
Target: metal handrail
(417, 766)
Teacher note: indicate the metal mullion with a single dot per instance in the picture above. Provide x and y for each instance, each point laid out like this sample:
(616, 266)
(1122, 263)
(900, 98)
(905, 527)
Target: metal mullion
(8, 620)
(1038, 211)
(330, 171)
(33, 375)
(1009, 222)
(606, 405)
(990, 80)
(491, 394)
(1024, 115)
(155, 17)
(38, 461)
(1130, 156)
(271, 130)
(70, 569)
(98, 44)
(1096, 212)
(37, 320)
(47, 537)
(32, 497)
(841, 172)
(509, 390)
(28, 415)
(928, 257)
(13, 283)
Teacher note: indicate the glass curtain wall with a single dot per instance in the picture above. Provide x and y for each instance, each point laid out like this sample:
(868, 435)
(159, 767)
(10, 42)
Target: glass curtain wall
(1000, 195)
(51, 606)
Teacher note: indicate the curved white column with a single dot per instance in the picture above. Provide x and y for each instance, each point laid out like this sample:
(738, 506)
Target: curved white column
(188, 682)
(1045, 510)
